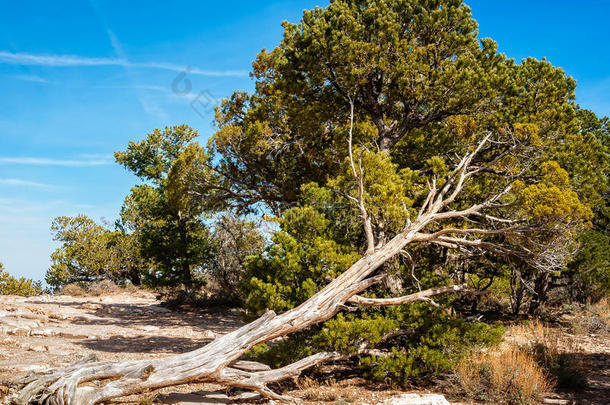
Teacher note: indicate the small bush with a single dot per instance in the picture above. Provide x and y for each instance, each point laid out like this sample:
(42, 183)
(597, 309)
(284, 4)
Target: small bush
(511, 377)
(422, 345)
(102, 287)
(593, 318)
(73, 290)
(555, 355)
(25, 287)
(563, 366)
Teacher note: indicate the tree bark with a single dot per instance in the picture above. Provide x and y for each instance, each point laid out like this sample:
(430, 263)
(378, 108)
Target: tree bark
(541, 286)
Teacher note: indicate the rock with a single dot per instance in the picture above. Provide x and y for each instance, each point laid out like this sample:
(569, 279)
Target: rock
(20, 323)
(416, 399)
(556, 401)
(59, 352)
(208, 334)
(38, 348)
(155, 308)
(69, 335)
(150, 328)
(42, 332)
(30, 367)
(92, 306)
(7, 341)
(18, 332)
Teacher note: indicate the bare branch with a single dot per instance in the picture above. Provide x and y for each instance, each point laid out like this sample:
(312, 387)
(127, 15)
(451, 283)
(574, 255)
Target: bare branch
(419, 296)
(359, 177)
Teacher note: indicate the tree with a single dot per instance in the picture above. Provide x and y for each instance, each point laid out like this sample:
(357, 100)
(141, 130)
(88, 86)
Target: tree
(233, 240)
(404, 64)
(91, 252)
(165, 217)
(470, 178)
(10, 285)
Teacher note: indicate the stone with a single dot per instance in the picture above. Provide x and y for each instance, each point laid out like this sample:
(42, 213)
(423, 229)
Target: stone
(208, 334)
(42, 332)
(59, 352)
(196, 398)
(150, 328)
(38, 348)
(416, 399)
(92, 306)
(18, 332)
(69, 335)
(156, 308)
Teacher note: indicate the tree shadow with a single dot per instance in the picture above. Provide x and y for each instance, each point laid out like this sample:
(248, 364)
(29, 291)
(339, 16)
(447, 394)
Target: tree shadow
(143, 344)
(217, 320)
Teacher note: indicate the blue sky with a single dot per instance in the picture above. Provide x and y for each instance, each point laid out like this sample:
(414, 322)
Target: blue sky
(81, 80)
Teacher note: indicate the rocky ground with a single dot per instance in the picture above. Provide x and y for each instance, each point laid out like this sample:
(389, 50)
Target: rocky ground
(52, 331)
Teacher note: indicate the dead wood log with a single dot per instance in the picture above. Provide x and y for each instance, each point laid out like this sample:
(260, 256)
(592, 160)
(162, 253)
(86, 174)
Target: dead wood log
(212, 362)
(90, 381)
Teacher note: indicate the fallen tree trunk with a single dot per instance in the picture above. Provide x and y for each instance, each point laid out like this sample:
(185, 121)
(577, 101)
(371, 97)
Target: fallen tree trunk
(213, 362)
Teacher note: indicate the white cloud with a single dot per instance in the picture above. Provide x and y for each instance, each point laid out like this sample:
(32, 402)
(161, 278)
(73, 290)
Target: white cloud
(28, 59)
(30, 78)
(53, 162)
(24, 183)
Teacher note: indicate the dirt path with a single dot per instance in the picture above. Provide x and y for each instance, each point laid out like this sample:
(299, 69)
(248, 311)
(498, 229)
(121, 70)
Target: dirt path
(41, 332)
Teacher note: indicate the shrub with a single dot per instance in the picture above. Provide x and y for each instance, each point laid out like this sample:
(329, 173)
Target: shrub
(511, 377)
(593, 318)
(404, 342)
(554, 355)
(25, 287)
(73, 290)
(102, 287)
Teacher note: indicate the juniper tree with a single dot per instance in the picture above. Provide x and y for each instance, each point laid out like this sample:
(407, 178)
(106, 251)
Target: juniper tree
(162, 214)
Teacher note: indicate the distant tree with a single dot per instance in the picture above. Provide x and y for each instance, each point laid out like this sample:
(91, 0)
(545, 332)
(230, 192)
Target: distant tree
(10, 285)
(91, 252)
(233, 241)
(166, 218)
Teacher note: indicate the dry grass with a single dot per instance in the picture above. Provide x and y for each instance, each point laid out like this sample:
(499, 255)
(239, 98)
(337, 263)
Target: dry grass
(97, 289)
(73, 290)
(327, 391)
(510, 377)
(593, 318)
(553, 351)
(102, 287)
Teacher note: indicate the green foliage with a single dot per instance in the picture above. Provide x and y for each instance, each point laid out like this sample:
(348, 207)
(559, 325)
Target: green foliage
(552, 200)
(90, 252)
(589, 272)
(154, 157)
(165, 217)
(412, 342)
(423, 63)
(10, 285)
(300, 259)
